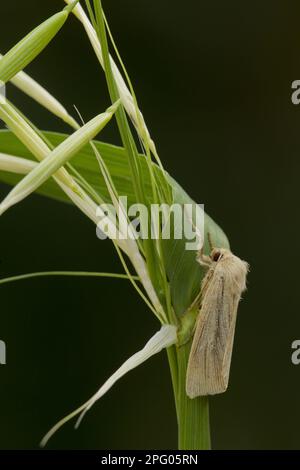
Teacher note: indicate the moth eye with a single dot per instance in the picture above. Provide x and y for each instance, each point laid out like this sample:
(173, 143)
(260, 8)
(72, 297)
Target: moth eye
(216, 256)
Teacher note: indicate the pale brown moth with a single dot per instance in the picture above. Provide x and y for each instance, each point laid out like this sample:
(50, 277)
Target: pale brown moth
(210, 356)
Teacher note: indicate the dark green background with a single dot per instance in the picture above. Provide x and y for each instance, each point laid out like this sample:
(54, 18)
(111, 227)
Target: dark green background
(214, 82)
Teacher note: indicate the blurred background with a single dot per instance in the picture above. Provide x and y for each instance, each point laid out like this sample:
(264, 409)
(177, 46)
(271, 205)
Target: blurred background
(214, 83)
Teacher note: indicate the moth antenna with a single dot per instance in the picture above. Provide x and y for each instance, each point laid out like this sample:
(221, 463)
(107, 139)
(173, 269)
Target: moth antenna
(210, 242)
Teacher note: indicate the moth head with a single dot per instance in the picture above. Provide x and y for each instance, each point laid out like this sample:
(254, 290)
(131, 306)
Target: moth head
(217, 254)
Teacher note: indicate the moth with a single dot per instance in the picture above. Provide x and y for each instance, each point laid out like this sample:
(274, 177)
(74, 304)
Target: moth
(210, 355)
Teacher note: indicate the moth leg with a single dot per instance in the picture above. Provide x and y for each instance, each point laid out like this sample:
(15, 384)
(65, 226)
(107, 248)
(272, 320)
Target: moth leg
(203, 259)
(188, 324)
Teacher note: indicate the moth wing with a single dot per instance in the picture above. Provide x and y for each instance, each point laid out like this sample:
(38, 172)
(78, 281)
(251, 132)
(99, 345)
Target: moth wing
(236, 284)
(209, 361)
(229, 346)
